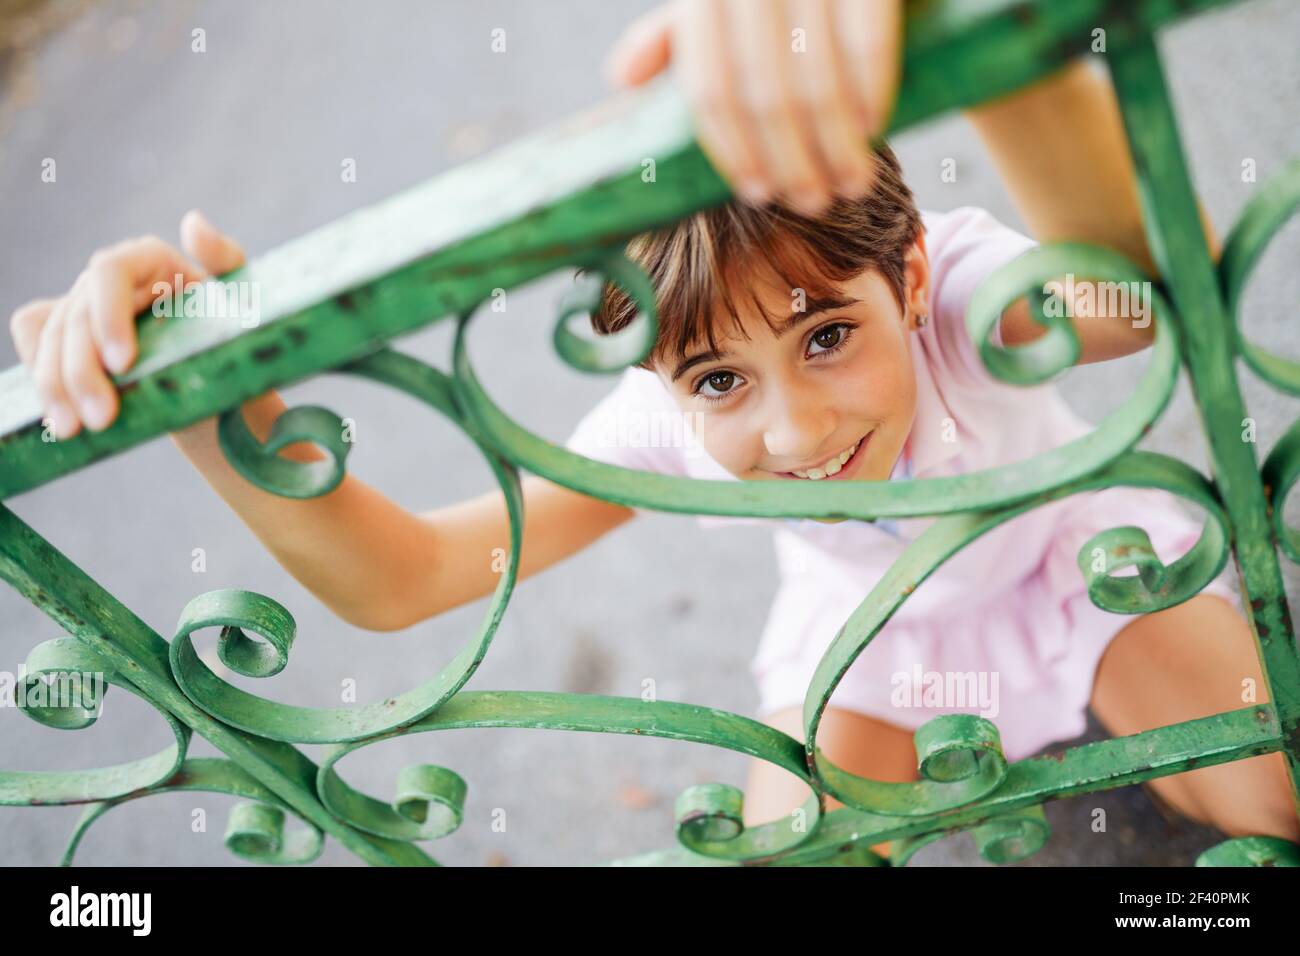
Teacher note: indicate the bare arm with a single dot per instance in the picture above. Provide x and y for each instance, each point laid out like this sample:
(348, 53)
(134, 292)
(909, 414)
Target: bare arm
(472, 538)
(374, 563)
(1062, 152)
(371, 561)
(345, 547)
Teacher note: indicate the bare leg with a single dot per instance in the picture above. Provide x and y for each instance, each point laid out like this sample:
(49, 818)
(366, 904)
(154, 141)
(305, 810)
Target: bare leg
(1186, 662)
(860, 744)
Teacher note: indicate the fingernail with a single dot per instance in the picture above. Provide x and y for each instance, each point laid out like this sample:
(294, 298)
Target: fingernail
(63, 418)
(119, 357)
(754, 191)
(851, 187)
(94, 412)
(811, 203)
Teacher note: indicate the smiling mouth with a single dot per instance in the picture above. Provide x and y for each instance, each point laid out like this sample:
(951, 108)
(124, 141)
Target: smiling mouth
(848, 464)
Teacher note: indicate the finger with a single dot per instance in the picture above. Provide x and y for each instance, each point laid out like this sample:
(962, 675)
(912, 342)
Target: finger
(207, 245)
(121, 281)
(88, 388)
(643, 49)
(114, 301)
(765, 76)
(839, 144)
(26, 324)
(871, 36)
(708, 75)
(47, 374)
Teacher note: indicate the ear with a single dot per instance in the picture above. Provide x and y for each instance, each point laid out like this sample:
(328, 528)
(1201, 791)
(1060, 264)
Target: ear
(916, 280)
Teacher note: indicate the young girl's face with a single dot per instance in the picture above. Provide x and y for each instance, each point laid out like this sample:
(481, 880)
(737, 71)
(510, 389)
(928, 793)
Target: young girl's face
(832, 398)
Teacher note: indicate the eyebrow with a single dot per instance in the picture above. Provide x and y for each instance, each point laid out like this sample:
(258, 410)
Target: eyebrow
(815, 307)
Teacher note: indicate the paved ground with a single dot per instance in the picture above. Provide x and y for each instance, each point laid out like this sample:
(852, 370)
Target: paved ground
(253, 131)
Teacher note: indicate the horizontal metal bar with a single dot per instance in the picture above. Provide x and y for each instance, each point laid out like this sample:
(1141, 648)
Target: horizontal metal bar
(544, 202)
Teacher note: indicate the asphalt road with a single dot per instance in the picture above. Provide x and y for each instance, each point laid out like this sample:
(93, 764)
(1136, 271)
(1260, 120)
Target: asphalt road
(253, 131)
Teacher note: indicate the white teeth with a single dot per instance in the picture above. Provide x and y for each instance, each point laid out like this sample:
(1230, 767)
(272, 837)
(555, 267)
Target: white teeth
(831, 467)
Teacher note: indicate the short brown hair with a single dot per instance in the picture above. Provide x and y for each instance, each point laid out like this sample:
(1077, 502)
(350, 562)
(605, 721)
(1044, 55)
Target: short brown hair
(689, 261)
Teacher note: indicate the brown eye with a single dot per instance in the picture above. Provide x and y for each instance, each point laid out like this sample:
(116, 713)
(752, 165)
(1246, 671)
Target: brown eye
(722, 382)
(831, 338)
(828, 337)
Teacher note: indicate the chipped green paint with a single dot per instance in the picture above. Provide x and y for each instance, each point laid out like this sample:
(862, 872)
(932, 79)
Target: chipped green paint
(336, 296)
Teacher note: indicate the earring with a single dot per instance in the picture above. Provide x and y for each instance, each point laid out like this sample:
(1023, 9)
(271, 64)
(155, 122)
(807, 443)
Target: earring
(922, 319)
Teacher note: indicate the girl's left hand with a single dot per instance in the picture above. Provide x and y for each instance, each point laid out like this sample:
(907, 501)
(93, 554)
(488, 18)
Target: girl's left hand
(785, 93)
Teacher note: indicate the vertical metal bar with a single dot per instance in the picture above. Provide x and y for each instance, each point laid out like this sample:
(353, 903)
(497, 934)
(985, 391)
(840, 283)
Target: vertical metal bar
(1178, 245)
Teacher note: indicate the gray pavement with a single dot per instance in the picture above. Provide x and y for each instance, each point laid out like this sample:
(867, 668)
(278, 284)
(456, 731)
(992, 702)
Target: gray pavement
(253, 131)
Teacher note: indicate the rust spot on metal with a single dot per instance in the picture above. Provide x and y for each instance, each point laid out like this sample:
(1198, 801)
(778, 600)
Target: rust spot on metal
(1119, 11)
(1291, 739)
(266, 353)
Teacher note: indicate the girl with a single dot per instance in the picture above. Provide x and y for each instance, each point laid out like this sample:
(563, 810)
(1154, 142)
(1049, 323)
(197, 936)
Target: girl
(873, 379)
(878, 379)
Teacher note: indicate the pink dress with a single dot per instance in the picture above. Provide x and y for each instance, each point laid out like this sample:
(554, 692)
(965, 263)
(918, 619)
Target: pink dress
(1008, 617)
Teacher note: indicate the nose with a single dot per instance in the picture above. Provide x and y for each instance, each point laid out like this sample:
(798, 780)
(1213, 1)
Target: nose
(798, 423)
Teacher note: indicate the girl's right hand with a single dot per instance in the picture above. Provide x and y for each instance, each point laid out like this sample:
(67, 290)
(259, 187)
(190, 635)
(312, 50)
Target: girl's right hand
(785, 95)
(69, 344)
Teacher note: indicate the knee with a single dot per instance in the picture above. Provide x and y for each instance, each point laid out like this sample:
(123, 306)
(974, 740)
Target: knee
(1279, 821)
(1270, 808)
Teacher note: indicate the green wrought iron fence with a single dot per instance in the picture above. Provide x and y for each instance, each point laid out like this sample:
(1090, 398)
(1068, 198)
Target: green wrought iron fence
(332, 299)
